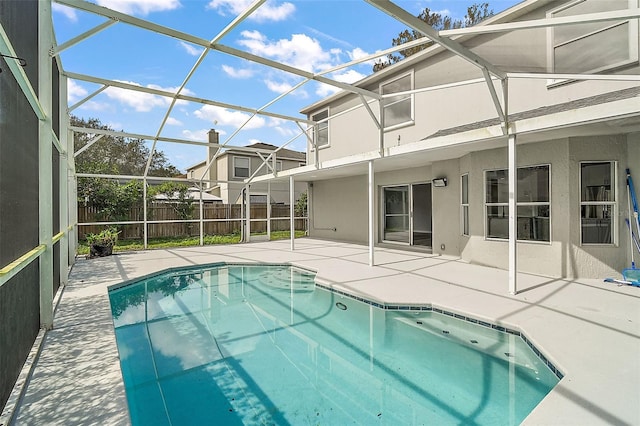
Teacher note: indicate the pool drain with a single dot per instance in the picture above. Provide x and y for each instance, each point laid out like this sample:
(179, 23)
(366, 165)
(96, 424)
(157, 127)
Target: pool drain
(341, 306)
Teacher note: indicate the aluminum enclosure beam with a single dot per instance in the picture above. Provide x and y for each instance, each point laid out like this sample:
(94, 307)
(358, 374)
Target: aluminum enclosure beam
(372, 212)
(292, 223)
(18, 73)
(45, 169)
(513, 214)
(553, 76)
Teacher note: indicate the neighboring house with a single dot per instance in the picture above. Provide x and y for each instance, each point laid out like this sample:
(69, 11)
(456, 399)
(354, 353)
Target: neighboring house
(225, 177)
(440, 164)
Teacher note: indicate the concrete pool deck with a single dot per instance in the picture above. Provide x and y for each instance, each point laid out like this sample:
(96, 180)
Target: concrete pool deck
(589, 329)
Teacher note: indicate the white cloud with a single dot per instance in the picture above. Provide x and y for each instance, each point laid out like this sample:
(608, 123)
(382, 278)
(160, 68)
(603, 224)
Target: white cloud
(285, 131)
(141, 101)
(348, 76)
(270, 11)
(191, 49)
(225, 117)
(278, 87)
(196, 135)
(95, 106)
(174, 122)
(69, 12)
(240, 73)
(300, 51)
(324, 90)
(358, 53)
(75, 92)
(141, 7)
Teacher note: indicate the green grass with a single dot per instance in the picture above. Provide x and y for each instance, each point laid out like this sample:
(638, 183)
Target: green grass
(168, 242)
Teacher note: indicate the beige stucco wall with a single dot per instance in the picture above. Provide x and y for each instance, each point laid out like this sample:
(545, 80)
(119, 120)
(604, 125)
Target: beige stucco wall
(343, 204)
(340, 204)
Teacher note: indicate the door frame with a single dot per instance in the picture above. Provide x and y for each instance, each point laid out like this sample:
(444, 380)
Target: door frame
(383, 213)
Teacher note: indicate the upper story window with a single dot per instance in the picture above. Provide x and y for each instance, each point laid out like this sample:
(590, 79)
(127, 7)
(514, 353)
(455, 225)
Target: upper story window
(533, 203)
(595, 46)
(398, 110)
(321, 130)
(597, 202)
(278, 165)
(241, 167)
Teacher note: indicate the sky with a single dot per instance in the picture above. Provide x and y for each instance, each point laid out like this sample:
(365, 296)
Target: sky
(312, 35)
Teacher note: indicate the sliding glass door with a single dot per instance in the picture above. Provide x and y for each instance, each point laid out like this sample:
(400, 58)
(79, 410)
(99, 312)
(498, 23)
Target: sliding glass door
(407, 214)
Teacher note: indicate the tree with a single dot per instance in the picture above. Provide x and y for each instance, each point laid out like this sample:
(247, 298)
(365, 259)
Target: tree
(301, 205)
(177, 197)
(114, 155)
(123, 156)
(476, 13)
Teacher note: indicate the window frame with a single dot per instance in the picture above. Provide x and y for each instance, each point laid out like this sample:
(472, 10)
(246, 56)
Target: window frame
(238, 157)
(316, 129)
(411, 96)
(614, 203)
(464, 207)
(634, 47)
(518, 204)
(278, 165)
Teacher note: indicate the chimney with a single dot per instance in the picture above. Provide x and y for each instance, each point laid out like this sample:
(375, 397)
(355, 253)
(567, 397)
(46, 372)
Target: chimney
(214, 137)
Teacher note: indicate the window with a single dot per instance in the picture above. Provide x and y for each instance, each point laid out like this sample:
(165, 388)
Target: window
(398, 110)
(597, 202)
(533, 203)
(464, 203)
(594, 46)
(241, 167)
(278, 165)
(321, 130)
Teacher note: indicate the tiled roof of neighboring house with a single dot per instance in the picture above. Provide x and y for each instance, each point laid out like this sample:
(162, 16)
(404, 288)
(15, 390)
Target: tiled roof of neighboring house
(546, 110)
(283, 153)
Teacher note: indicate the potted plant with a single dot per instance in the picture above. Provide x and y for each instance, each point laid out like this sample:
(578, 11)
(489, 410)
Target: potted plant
(101, 244)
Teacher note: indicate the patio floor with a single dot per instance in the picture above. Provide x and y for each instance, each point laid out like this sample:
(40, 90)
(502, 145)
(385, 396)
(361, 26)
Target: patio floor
(588, 328)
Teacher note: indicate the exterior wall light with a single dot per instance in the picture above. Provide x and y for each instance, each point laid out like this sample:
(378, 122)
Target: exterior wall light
(439, 182)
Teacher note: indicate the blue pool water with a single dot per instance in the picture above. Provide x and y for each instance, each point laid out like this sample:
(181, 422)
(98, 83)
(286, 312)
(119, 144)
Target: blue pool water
(261, 344)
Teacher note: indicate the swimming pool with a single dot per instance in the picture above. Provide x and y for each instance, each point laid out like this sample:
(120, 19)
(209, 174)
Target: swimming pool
(263, 344)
